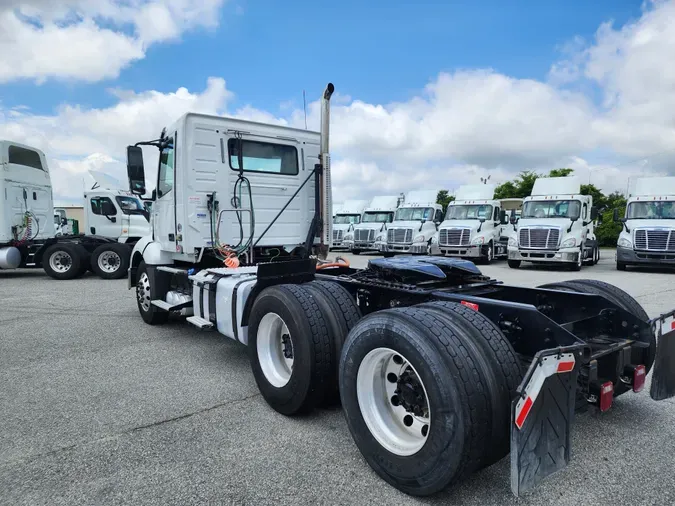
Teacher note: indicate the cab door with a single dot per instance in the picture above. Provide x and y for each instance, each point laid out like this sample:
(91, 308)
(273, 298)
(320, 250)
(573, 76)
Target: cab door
(103, 217)
(164, 208)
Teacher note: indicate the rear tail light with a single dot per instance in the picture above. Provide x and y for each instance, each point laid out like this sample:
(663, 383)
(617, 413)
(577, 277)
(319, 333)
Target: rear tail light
(639, 376)
(606, 396)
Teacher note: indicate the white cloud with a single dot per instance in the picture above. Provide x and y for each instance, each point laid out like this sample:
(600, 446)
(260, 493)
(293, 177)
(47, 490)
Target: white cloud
(90, 40)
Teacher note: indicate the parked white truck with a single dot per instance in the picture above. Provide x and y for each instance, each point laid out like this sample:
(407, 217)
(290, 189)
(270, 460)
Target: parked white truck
(348, 215)
(373, 226)
(556, 226)
(415, 222)
(474, 225)
(28, 228)
(648, 234)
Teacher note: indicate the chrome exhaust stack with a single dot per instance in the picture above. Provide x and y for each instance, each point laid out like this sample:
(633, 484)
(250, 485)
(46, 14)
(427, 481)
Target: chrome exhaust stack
(326, 196)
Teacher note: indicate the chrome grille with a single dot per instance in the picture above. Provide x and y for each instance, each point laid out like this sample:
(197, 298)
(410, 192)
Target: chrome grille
(338, 234)
(454, 236)
(539, 238)
(400, 235)
(655, 240)
(364, 235)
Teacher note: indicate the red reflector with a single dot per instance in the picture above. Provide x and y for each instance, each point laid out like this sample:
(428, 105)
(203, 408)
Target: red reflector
(606, 396)
(565, 366)
(470, 305)
(525, 410)
(672, 325)
(639, 376)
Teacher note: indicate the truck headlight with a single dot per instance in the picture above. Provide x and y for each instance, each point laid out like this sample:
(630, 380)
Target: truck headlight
(513, 242)
(419, 238)
(478, 240)
(349, 237)
(624, 242)
(569, 243)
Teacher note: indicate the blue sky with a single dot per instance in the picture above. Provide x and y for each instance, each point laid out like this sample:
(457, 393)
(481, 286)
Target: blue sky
(269, 51)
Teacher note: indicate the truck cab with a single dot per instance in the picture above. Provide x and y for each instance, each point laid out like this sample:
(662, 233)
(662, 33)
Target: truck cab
(373, 226)
(556, 226)
(415, 223)
(473, 226)
(116, 214)
(648, 226)
(349, 215)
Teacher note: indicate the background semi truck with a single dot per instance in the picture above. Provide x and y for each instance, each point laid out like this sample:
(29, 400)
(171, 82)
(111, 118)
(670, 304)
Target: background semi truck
(373, 226)
(441, 371)
(28, 228)
(348, 215)
(556, 226)
(415, 222)
(648, 233)
(473, 226)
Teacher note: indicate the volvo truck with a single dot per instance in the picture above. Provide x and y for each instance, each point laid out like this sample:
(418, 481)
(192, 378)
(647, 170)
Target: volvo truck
(556, 226)
(373, 226)
(441, 371)
(648, 226)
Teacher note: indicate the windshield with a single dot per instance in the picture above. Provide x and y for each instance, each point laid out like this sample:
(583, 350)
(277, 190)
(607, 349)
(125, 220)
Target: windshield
(551, 209)
(378, 217)
(347, 219)
(414, 214)
(469, 212)
(130, 205)
(660, 210)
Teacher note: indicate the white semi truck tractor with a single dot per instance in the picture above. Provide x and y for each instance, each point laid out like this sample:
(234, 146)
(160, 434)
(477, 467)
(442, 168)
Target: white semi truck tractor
(415, 223)
(473, 226)
(556, 226)
(346, 217)
(373, 226)
(648, 234)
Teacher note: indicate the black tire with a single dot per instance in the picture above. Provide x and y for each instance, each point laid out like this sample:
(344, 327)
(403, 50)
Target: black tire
(356, 251)
(488, 253)
(502, 363)
(388, 254)
(514, 264)
(620, 266)
(111, 260)
(68, 259)
(456, 393)
(151, 315)
(313, 350)
(576, 266)
(615, 295)
(596, 258)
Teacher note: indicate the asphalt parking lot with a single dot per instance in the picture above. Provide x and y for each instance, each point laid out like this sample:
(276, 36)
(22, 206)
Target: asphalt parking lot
(98, 408)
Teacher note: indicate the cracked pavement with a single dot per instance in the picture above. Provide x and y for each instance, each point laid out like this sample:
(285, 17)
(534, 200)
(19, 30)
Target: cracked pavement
(98, 408)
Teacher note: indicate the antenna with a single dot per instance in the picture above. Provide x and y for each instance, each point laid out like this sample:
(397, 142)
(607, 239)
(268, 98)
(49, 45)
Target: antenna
(304, 107)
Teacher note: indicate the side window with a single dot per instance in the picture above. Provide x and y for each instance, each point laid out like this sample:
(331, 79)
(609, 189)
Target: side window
(585, 211)
(166, 170)
(496, 215)
(263, 157)
(439, 215)
(97, 204)
(25, 157)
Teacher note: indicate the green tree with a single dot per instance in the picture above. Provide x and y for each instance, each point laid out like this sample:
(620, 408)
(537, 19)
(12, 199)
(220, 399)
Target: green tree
(520, 187)
(563, 172)
(599, 199)
(443, 198)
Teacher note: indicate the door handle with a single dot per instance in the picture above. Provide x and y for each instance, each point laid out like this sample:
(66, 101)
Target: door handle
(270, 186)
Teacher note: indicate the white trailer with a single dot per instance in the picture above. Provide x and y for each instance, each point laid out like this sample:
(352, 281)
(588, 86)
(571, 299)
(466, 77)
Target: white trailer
(31, 237)
(415, 222)
(556, 226)
(373, 226)
(473, 226)
(344, 220)
(648, 234)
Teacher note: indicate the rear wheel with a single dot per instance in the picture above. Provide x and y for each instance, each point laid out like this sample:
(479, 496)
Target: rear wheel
(356, 251)
(415, 402)
(64, 260)
(111, 260)
(151, 315)
(291, 348)
(514, 264)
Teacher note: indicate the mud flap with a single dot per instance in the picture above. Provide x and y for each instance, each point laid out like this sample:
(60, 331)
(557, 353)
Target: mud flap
(663, 372)
(541, 417)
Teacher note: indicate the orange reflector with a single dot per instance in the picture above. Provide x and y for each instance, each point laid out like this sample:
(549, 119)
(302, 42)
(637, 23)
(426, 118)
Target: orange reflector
(565, 366)
(639, 376)
(524, 411)
(470, 305)
(672, 325)
(606, 396)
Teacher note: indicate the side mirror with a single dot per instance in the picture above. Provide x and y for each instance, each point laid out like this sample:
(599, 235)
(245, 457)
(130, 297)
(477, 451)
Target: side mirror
(594, 213)
(482, 220)
(135, 170)
(617, 218)
(64, 222)
(107, 208)
(502, 217)
(154, 195)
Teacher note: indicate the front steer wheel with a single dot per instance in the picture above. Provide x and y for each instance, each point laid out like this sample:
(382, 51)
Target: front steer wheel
(415, 402)
(151, 315)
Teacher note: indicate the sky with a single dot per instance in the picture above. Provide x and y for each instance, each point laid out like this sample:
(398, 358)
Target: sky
(429, 94)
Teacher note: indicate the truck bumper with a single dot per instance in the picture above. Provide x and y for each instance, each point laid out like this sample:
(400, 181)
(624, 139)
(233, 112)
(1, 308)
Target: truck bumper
(461, 251)
(563, 255)
(631, 257)
(415, 249)
(361, 245)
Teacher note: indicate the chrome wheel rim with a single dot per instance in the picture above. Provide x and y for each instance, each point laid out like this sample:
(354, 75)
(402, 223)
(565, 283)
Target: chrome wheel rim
(393, 402)
(60, 261)
(275, 350)
(143, 292)
(109, 262)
